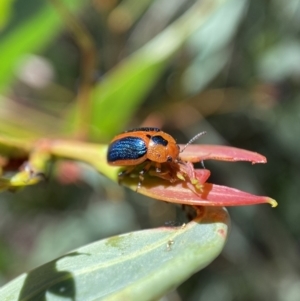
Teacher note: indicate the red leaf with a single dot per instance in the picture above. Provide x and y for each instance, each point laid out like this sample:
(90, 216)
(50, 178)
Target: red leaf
(199, 152)
(211, 194)
(202, 175)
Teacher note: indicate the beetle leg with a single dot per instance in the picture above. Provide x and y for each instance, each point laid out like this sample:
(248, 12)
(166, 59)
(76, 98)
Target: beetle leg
(158, 167)
(141, 174)
(166, 173)
(125, 172)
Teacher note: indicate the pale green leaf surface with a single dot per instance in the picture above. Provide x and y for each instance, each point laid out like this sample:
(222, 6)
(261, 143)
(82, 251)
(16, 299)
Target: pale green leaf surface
(203, 70)
(210, 45)
(280, 61)
(142, 265)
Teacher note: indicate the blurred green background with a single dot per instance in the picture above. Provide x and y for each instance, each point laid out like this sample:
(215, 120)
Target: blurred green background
(90, 69)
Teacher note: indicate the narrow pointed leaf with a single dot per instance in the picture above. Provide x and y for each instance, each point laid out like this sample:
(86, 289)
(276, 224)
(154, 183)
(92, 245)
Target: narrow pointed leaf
(199, 152)
(142, 265)
(210, 194)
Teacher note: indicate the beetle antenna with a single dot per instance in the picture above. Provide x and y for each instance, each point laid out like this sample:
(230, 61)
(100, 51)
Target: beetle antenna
(192, 140)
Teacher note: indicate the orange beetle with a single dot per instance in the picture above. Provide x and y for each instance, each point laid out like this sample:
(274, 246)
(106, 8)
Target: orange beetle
(145, 145)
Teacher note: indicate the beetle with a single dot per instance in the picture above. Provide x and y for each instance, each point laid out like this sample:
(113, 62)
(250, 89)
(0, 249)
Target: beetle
(147, 146)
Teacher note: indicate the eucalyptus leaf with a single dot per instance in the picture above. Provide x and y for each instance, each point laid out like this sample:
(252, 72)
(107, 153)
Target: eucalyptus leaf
(142, 265)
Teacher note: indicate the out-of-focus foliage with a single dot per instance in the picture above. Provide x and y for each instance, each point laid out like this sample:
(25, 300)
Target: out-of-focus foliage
(5, 12)
(237, 77)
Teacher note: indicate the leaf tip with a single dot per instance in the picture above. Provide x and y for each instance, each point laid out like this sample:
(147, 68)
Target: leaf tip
(262, 160)
(272, 202)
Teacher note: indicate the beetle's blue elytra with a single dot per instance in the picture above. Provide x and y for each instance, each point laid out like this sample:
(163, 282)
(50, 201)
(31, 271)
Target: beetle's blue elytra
(127, 148)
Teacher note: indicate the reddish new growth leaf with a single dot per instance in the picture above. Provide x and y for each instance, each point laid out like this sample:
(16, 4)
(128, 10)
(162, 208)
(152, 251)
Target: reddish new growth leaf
(195, 153)
(192, 188)
(211, 195)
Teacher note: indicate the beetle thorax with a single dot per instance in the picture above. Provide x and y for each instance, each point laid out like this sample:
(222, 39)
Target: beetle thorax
(162, 150)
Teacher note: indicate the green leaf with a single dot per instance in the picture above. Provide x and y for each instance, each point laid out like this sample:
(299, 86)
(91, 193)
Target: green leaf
(30, 37)
(211, 45)
(277, 63)
(5, 12)
(142, 265)
(123, 89)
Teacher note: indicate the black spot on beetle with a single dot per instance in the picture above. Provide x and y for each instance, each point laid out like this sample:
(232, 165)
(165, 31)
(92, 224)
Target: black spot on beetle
(159, 140)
